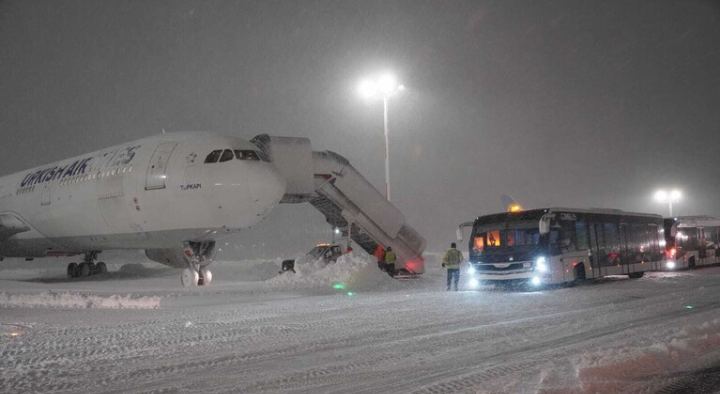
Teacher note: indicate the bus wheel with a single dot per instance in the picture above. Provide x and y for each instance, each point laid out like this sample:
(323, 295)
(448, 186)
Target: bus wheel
(691, 262)
(636, 275)
(579, 272)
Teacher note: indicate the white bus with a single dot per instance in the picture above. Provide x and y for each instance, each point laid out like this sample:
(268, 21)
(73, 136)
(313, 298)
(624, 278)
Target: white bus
(558, 245)
(691, 241)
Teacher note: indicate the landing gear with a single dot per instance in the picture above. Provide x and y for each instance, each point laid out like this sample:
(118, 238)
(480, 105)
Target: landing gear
(72, 270)
(198, 256)
(189, 277)
(205, 276)
(87, 267)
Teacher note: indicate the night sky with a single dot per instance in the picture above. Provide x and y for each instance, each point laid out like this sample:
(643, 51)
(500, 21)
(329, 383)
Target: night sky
(557, 103)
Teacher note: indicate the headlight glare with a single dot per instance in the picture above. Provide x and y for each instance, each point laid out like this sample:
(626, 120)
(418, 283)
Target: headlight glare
(541, 265)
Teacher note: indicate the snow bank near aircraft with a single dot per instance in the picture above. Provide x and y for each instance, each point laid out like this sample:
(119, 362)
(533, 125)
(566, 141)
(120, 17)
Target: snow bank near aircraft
(73, 300)
(349, 272)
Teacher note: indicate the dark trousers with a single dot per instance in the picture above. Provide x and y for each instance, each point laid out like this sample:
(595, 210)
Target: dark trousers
(450, 273)
(390, 268)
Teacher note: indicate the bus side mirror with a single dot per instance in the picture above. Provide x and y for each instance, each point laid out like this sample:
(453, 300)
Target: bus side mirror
(545, 224)
(459, 234)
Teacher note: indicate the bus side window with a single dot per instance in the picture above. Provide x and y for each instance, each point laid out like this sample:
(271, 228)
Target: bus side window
(582, 235)
(612, 243)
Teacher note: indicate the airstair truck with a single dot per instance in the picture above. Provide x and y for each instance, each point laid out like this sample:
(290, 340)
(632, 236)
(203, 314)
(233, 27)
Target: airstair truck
(347, 200)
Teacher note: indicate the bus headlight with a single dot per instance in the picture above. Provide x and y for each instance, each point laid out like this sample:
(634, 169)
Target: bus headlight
(473, 283)
(670, 265)
(536, 281)
(541, 265)
(471, 269)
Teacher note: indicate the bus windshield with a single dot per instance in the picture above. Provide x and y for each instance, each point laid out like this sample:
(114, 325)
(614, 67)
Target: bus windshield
(503, 236)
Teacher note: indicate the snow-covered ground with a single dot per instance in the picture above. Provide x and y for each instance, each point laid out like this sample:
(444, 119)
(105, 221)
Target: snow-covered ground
(348, 328)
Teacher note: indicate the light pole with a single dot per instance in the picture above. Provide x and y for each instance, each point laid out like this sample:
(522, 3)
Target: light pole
(668, 197)
(382, 87)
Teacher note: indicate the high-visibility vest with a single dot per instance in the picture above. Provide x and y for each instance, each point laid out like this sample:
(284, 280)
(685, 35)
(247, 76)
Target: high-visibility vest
(390, 257)
(452, 258)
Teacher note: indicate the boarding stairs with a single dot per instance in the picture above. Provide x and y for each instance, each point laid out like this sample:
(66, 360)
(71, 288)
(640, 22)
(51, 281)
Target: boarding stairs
(348, 201)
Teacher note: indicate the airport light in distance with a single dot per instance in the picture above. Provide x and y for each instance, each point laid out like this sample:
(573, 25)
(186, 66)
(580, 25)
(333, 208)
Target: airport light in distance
(669, 198)
(382, 86)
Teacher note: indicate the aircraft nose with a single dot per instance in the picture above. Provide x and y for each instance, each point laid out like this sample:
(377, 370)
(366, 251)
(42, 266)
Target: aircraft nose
(267, 185)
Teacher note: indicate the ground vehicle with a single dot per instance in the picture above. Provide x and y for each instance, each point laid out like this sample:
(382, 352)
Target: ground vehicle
(691, 241)
(557, 245)
(329, 253)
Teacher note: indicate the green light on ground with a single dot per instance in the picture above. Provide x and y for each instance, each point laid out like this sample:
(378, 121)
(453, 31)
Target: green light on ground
(688, 307)
(350, 293)
(339, 286)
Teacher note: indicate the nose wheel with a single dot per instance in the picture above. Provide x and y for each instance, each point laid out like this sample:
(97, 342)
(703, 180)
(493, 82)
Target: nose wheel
(191, 277)
(197, 273)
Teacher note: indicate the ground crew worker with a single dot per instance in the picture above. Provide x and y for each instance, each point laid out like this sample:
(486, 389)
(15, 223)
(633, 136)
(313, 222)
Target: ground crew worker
(380, 256)
(390, 261)
(451, 260)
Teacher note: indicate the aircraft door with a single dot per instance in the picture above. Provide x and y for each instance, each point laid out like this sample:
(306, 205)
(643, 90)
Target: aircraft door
(157, 171)
(46, 195)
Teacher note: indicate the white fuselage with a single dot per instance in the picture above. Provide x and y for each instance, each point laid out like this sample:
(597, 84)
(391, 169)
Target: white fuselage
(148, 194)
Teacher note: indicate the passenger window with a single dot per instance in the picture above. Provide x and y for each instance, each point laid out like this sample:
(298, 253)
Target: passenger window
(479, 243)
(213, 156)
(227, 155)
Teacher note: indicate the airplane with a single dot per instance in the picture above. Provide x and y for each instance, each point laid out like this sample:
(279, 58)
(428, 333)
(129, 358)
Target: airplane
(172, 195)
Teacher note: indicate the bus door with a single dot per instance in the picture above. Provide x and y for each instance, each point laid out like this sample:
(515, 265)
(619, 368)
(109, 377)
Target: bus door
(597, 247)
(702, 246)
(626, 252)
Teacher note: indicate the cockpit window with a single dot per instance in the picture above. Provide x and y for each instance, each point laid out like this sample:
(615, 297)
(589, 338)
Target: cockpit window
(213, 156)
(227, 155)
(247, 155)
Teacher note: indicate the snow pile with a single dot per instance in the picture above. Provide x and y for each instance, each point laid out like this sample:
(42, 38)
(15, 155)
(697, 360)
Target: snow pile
(245, 270)
(77, 301)
(352, 271)
(612, 369)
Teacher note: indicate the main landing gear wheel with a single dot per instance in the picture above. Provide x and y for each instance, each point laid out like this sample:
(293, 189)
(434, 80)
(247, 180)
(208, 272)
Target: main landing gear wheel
(72, 269)
(87, 267)
(189, 277)
(84, 269)
(206, 276)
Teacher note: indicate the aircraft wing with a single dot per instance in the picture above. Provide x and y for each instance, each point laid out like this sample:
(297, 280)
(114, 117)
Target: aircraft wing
(11, 225)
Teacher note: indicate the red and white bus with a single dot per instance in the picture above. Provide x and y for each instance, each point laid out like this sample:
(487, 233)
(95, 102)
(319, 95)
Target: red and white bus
(691, 241)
